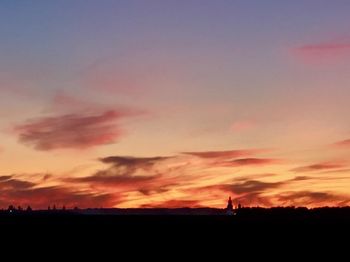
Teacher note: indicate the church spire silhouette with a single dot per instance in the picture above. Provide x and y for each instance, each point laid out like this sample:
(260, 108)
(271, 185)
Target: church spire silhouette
(229, 208)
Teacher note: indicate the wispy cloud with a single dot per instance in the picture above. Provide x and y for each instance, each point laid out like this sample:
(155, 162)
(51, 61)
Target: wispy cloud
(118, 182)
(249, 162)
(174, 204)
(230, 154)
(324, 51)
(250, 186)
(319, 167)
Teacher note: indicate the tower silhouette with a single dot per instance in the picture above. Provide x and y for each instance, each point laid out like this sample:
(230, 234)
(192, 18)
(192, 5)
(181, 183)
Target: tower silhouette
(229, 208)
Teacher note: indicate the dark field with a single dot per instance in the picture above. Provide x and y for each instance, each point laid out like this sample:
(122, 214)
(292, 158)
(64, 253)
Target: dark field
(180, 221)
(289, 231)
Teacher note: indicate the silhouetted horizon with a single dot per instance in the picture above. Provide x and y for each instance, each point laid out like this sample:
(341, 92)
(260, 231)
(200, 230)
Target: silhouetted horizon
(231, 208)
(223, 211)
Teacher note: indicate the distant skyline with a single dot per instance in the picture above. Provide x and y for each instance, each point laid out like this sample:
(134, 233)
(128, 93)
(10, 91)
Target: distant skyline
(174, 103)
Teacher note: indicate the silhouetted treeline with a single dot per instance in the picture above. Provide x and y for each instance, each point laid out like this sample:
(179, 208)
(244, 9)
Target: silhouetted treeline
(253, 213)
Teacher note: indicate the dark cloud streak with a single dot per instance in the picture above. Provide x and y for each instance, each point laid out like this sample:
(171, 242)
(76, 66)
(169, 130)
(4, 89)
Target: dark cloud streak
(229, 154)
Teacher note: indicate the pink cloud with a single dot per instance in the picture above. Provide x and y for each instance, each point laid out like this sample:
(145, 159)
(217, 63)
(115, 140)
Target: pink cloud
(323, 52)
(343, 144)
(78, 131)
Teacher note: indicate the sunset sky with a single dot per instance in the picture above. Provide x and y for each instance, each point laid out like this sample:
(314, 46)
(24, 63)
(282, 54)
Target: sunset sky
(172, 103)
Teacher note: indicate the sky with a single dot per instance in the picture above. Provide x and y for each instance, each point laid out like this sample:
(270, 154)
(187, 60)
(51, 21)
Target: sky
(168, 103)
